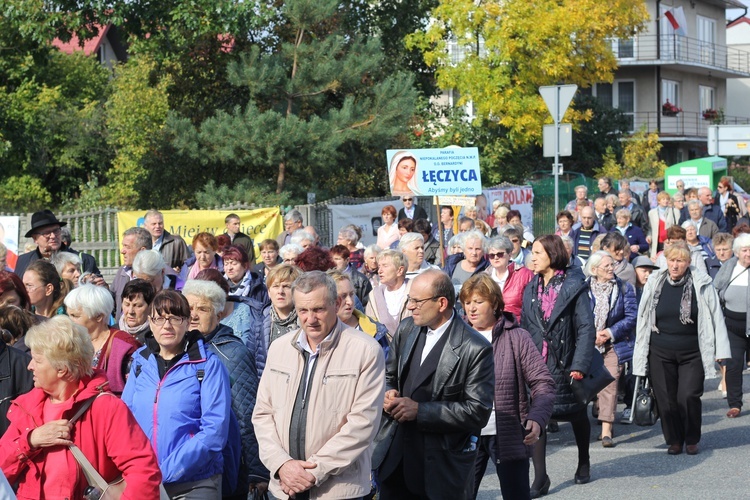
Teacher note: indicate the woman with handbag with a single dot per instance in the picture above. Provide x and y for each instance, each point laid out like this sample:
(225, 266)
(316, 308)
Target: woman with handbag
(519, 414)
(47, 423)
(557, 313)
(614, 306)
(733, 286)
(680, 332)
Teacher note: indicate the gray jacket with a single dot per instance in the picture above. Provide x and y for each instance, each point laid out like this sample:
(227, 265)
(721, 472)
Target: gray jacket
(721, 282)
(712, 331)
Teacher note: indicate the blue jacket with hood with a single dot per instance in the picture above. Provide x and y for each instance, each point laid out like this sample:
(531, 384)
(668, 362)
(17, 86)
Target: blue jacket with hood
(185, 419)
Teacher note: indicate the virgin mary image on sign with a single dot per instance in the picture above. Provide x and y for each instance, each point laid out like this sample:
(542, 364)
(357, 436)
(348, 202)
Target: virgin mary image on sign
(402, 173)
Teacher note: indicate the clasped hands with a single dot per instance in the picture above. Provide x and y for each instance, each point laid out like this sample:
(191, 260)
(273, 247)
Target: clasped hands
(401, 409)
(294, 477)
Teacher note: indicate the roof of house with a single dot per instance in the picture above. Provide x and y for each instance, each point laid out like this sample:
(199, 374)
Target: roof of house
(737, 22)
(89, 46)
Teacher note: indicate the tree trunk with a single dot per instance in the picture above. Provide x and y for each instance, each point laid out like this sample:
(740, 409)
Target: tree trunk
(280, 178)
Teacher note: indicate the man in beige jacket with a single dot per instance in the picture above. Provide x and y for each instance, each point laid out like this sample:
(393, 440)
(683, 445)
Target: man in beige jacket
(319, 400)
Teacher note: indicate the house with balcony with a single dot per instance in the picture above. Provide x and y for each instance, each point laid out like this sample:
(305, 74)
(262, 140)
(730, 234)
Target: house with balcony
(673, 81)
(738, 89)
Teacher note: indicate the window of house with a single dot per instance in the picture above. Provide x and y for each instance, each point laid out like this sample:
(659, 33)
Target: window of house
(706, 39)
(670, 91)
(620, 95)
(624, 48)
(707, 96)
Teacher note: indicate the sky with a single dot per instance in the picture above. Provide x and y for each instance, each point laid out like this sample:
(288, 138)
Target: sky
(734, 13)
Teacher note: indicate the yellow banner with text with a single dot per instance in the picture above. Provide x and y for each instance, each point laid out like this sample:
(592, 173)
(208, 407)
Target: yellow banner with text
(259, 224)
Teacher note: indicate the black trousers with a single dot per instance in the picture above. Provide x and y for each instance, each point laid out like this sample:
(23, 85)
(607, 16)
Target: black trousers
(513, 475)
(394, 487)
(677, 380)
(740, 346)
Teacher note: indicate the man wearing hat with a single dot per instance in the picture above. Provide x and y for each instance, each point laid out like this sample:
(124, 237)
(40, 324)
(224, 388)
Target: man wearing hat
(45, 231)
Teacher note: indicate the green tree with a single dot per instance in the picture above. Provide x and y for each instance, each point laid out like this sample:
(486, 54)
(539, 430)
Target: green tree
(502, 51)
(136, 116)
(319, 97)
(601, 129)
(640, 158)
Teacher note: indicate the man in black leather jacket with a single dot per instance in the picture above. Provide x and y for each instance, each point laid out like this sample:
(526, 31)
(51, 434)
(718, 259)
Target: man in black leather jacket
(439, 392)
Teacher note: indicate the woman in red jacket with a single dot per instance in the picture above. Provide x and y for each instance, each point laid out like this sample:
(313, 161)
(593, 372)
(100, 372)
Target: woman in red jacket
(512, 279)
(34, 451)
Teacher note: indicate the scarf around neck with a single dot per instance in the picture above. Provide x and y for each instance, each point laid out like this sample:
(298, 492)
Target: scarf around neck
(602, 293)
(133, 330)
(685, 301)
(547, 295)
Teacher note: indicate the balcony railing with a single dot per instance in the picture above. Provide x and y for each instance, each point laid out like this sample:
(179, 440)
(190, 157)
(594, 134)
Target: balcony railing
(681, 49)
(685, 124)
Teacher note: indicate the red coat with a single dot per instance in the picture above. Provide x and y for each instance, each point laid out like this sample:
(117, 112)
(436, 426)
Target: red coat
(107, 434)
(518, 278)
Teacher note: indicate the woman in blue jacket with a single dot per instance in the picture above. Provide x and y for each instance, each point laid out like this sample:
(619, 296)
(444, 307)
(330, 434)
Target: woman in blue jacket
(179, 394)
(614, 306)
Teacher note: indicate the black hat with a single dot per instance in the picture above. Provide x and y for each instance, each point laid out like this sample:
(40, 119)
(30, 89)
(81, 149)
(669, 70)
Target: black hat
(41, 219)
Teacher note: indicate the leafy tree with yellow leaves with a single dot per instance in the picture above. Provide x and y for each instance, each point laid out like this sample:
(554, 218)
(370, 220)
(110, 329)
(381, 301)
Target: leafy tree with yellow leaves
(503, 50)
(640, 158)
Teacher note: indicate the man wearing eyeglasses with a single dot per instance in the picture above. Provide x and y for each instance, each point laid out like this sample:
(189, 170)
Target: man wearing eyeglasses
(439, 392)
(46, 233)
(410, 210)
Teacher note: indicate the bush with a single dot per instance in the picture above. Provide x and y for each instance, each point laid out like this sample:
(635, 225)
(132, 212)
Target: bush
(24, 194)
(245, 191)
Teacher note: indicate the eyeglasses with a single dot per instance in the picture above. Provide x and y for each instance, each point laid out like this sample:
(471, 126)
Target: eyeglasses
(498, 255)
(418, 303)
(49, 232)
(31, 288)
(160, 320)
(515, 240)
(408, 199)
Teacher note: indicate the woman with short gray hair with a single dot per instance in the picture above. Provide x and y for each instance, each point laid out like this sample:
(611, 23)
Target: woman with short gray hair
(511, 279)
(733, 286)
(462, 266)
(68, 266)
(149, 265)
(412, 246)
(91, 307)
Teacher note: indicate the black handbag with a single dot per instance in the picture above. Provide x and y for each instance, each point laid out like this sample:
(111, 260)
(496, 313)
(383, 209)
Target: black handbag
(645, 412)
(592, 383)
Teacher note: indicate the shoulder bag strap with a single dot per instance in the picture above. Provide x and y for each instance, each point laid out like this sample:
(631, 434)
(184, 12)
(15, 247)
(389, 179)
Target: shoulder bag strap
(92, 475)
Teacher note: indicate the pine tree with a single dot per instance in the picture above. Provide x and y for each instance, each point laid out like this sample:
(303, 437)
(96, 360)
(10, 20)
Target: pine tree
(318, 99)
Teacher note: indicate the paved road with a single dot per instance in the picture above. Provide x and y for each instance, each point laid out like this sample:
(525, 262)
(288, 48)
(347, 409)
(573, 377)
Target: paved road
(639, 467)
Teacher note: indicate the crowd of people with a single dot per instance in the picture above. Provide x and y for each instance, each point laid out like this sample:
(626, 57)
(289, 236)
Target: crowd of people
(399, 368)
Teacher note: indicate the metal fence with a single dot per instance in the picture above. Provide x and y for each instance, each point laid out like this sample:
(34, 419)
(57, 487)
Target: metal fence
(544, 198)
(95, 232)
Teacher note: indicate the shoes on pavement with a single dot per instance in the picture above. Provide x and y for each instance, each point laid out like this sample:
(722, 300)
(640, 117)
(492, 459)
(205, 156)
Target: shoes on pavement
(583, 474)
(733, 413)
(625, 418)
(691, 449)
(674, 449)
(543, 490)
(607, 442)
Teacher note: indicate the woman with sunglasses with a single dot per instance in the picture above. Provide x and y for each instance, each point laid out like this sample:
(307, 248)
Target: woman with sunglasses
(510, 278)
